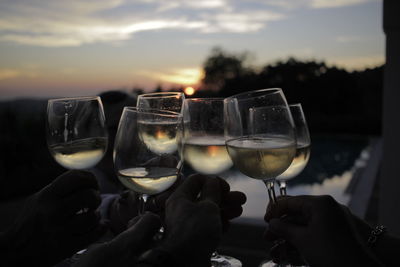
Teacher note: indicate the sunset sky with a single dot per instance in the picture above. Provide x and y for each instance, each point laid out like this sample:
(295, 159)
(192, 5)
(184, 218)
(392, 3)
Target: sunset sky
(62, 48)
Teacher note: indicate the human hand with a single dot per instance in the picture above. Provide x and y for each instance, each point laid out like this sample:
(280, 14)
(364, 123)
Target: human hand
(52, 227)
(125, 248)
(193, 220)
(320, 229)
(126, 206)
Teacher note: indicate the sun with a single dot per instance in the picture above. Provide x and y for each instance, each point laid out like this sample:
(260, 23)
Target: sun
(189, 90)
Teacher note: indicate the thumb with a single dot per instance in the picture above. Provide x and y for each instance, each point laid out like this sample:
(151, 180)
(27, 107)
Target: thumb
(287, 230)
(141, 231)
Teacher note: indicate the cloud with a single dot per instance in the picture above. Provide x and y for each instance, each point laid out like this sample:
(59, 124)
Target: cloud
(291, 4)
(240, 22)
(56, 23)
(347, 39)
(8, 74)
(186, 76)
(335, 3)
(357, 62)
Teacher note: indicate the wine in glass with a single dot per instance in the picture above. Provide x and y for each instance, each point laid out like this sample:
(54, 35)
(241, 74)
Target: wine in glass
(302, 149)
(76, 132)
(204, 143)
(147, 154)
(204, 146)
(260, 142)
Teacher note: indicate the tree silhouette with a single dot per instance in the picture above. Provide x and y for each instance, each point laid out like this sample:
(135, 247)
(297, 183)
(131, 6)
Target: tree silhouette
(334, 99)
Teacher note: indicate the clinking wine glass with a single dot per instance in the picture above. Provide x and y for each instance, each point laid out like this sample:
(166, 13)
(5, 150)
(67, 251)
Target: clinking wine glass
(204, 146)
(76, 133)
(299, 162)
(147, 155)
(302, 149)
(169, 101)
(259, 134)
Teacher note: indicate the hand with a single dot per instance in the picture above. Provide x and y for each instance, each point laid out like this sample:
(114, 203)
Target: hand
(320, 229)
(124, 249)
(51, 228)
(193, 220)
(126, 206)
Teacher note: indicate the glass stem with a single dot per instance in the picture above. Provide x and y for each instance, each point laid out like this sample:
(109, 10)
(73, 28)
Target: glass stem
(271, 190)
(142, 203)
(282, 188)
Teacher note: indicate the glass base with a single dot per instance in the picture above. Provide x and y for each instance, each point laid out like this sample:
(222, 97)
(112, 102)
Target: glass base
(224, 261)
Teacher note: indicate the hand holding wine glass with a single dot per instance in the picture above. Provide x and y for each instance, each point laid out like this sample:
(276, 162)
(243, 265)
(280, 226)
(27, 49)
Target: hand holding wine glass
(302, 149)
(204, 146)
(146, 151)
(77, 136)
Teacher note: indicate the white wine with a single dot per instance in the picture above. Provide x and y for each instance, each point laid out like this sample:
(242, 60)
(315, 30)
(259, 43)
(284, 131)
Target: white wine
(298, 164)
(159, 137)
(150, 181)
(79, 154)
(207, 155)
(261, 158)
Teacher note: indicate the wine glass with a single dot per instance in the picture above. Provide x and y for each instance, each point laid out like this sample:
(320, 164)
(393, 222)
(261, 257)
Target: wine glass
(204, 146)
(76, 133)
(147, 155)
(204, 143)
(172, 101)
(77, 136)
(302, 149)
(299, 162)
(260, 142)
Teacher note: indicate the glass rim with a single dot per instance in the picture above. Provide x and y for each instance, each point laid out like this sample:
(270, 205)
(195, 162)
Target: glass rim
(152, 111)
(205, 99)
(295, 105)
(286, 107)
(246, 95)
(74, 98)
(163, 94)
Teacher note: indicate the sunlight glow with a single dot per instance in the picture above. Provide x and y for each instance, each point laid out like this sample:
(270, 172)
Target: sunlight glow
(8, 74)
(189, 90)
(188, 76)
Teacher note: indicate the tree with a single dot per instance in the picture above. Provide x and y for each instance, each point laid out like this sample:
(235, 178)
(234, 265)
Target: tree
(221, 67)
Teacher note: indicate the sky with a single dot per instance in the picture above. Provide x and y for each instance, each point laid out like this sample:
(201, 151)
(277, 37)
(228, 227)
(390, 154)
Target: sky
(83, 47)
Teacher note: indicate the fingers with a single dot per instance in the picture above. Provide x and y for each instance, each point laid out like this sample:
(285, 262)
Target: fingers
(88, 198)
(82, 223)
(231, 205)
(225, 188)
(139, 234)
(71, 182)
(285, 229)
(190, 188)
(211, 190)
(283, 252)
(290, 205)
(78, 242)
